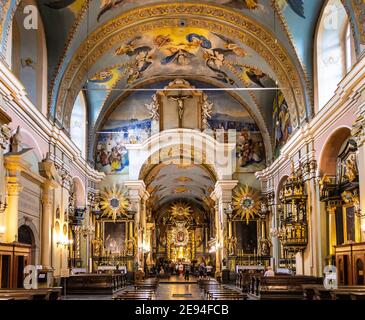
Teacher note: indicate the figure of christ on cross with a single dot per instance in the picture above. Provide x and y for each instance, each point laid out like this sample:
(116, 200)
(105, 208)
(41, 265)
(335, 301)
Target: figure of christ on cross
(180, 104)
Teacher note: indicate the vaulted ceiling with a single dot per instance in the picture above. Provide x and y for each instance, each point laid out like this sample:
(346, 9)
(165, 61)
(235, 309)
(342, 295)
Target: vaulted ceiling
(105, 47)
(99, 46)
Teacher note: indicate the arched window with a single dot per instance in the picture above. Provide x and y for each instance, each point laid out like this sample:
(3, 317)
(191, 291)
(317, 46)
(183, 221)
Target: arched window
(78, 123)
(29, 56)
(349, 48)
(334, 49)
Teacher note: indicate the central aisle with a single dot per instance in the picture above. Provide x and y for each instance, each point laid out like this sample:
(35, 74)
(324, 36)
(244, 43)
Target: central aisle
(179, 291)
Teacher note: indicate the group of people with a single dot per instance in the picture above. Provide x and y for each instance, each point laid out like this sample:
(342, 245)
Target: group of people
(184, 270)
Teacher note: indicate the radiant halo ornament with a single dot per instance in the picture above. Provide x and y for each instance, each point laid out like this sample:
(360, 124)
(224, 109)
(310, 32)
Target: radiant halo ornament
(180, 211)
(246, 203)
(113, 202)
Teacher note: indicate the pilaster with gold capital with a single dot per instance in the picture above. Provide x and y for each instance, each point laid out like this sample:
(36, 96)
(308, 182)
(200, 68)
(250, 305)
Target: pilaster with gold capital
(48, 171)
(222, 195)
(138, 196)
(11, 218)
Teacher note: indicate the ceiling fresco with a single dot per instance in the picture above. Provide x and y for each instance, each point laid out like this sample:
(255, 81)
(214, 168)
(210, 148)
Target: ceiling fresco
(130, 122)
(168, 48)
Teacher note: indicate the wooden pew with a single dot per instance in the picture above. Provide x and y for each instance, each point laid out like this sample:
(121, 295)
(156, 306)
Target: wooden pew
(348, 293)
(283, 287)
(95, 283)
(31, 294)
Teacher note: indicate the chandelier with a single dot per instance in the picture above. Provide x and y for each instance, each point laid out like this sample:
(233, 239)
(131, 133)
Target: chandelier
(293, 231)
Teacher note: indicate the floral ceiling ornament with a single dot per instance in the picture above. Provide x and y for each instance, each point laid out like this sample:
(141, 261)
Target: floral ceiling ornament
(246, 203)
(113, 202)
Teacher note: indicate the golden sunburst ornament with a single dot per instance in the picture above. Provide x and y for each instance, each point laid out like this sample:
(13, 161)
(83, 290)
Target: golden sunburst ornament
(246, 203)
(180, 210)
(113, 202)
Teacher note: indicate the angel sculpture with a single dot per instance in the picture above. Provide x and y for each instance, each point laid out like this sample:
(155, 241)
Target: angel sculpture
(153, 108)
(207, 109)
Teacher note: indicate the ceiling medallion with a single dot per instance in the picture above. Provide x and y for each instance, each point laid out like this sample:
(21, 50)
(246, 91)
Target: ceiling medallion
(113, 202)
(246, 203)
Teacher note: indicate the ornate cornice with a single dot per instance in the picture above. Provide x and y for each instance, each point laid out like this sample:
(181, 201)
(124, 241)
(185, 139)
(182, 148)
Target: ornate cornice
(210, 17)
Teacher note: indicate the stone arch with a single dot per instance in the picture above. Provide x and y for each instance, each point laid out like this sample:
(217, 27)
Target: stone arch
(31, 229)
(205, 148)
(329, 153)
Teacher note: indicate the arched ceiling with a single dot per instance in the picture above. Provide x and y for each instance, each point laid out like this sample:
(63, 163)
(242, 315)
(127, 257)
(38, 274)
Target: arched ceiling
(265, 36)
(179, 182)
(241, 28)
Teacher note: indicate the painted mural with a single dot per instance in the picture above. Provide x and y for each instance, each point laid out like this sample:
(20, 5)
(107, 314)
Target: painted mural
(128, 124)
(229, 114)
(131, 123)
(281, 123)
(183, 50)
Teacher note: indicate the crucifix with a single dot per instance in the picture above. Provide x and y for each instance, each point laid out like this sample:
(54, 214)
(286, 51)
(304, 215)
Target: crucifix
(180, 104)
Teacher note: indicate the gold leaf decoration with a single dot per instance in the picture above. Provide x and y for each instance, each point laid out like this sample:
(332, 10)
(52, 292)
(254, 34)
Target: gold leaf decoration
(180, 210)
(113, 202)
(246, 203)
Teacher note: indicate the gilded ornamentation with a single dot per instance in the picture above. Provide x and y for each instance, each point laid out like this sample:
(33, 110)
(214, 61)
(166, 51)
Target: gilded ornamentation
(97, 245)
(180, 211)
(246, 203)
(277, 58)
(113, 202)
(351, 171)
(358, 130)
(323, 182)
(351, 197)
(207, 109)
(153, 108)
(5, 135)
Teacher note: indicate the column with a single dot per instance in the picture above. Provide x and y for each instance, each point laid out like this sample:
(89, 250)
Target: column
(137, 197)
(332, 229)
(358, 133)
(222, 195)
(46, 226)
(11, 218)
(14, 164)
(313, 259)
